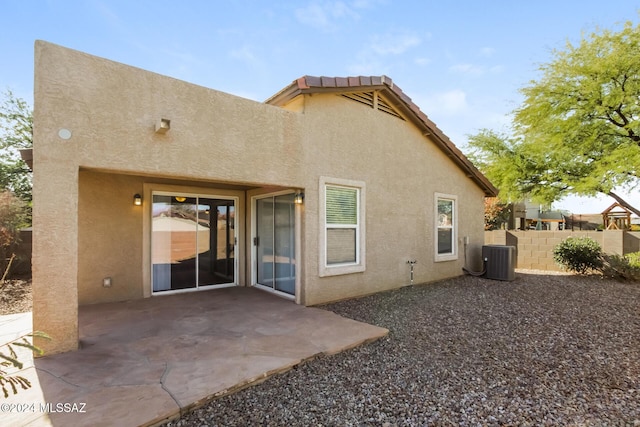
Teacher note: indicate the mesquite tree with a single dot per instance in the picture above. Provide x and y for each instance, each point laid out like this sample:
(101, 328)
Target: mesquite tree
(578, 129)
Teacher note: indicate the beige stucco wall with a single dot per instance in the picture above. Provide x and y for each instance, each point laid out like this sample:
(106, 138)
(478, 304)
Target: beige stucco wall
(110, 109)
(109, 237)
(402, 170)
(86, 227)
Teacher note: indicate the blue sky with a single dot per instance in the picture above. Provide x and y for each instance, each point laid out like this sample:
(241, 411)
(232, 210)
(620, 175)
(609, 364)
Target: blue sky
(461, 62)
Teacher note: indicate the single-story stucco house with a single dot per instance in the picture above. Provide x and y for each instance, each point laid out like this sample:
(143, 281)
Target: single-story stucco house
(146, 186)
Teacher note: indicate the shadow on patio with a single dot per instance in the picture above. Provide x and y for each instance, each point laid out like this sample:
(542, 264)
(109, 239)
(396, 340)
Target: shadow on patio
(142, 362)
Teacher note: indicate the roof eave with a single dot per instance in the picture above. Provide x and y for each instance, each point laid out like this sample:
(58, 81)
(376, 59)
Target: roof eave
(285, 95)
(308, 84)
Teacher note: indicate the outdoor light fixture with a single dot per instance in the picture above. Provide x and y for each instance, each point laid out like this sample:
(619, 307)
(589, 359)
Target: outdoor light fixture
(163, 126)
(64, 133)
(137, 200)
(298, 198)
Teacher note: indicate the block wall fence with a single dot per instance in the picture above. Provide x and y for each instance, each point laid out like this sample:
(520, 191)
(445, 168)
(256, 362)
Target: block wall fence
(534, 249)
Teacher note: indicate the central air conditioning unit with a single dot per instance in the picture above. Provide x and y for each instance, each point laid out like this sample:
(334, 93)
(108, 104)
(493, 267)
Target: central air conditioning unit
(499, 262)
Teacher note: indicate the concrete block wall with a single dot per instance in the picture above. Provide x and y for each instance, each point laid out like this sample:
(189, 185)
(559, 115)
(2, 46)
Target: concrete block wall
(631, 242)
(534, 248)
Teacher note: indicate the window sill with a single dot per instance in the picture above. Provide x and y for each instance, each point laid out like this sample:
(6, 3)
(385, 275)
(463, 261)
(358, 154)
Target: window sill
(339, 270)
(442, 258)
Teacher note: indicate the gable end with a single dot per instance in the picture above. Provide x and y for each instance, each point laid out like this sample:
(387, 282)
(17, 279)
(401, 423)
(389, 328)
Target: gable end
(397, 103)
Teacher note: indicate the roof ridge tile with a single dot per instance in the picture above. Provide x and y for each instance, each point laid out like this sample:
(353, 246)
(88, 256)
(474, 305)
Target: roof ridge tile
(327, 81)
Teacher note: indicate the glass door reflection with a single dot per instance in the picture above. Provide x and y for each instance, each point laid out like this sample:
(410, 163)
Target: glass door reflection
(275, 243)
(192, 242)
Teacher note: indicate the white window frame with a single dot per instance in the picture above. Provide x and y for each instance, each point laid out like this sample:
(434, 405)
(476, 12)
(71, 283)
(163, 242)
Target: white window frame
(347, 268)
(151, 190)
(453, 255)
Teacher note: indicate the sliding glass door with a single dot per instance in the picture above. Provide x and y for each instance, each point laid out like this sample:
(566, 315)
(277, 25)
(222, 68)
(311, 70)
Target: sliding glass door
(192, 242)
(275, 243)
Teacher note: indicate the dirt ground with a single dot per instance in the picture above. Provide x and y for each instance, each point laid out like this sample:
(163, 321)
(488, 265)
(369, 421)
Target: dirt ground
(15, 297)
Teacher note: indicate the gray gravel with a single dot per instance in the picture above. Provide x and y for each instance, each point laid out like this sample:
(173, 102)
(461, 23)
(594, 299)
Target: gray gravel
(541, 350)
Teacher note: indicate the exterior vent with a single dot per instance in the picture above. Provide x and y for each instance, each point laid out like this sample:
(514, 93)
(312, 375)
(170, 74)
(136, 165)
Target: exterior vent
(499, 262)
(386, 108)
(373, 100)
(365, 98)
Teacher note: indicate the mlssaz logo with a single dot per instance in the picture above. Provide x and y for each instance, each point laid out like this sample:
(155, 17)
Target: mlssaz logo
(63, 407)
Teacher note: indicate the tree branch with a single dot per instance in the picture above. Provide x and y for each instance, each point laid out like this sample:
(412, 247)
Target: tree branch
(624, 203)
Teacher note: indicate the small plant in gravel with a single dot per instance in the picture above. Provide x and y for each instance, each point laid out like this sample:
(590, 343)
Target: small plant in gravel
(579, 254)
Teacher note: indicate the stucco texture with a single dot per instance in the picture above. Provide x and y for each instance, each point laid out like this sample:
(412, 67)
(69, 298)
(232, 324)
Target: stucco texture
(87, 228)
(402, 170)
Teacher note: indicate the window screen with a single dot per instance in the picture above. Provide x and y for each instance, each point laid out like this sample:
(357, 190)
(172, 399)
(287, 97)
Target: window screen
(341, 225)
(445, 221)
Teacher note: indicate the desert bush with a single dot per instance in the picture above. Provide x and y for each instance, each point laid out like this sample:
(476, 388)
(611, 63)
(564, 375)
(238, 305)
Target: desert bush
(579, 254)
(12, 218)
(622, 267)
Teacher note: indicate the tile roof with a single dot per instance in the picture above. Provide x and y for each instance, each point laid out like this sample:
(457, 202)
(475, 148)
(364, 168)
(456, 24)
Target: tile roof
(322, 84)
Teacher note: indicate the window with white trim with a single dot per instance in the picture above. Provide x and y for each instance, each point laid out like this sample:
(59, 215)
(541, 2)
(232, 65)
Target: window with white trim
(342, 226)
(446, 218)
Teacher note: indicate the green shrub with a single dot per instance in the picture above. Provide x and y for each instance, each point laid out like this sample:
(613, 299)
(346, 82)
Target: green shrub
(579, 254)
(622, 267)
(634, 259)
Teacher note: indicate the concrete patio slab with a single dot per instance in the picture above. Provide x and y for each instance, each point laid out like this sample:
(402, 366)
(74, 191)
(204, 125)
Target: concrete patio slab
(142, 362)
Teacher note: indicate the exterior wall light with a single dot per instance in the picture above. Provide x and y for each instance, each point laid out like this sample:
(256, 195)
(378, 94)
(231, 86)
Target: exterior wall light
(137, 200)
(298, 199)
(163, 126)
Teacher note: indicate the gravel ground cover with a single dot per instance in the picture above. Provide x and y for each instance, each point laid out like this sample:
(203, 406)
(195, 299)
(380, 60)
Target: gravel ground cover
(544, 349)
(15, 297)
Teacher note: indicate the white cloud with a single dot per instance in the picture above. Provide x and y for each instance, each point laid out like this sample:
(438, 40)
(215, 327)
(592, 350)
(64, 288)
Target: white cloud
(367, 67)
(324, 15)
(394, 43)
(109, 15)
(313, 15)
(374, 56)
(366, 4)
(453, 102)
(422, 61)
(487, 52)
(459, 113)
(475, 69)
(245, 54)
(468, 69)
